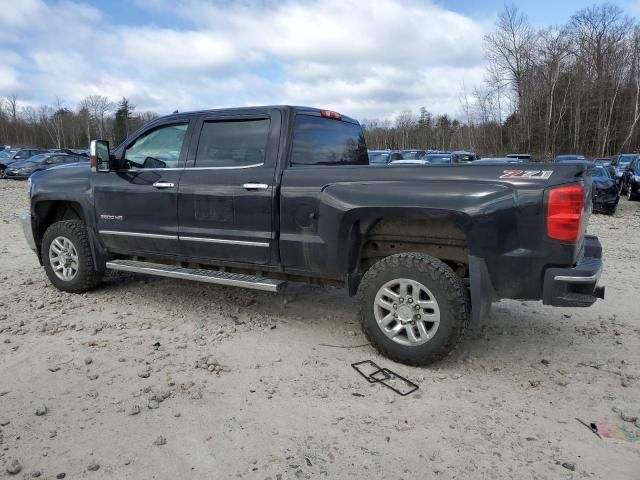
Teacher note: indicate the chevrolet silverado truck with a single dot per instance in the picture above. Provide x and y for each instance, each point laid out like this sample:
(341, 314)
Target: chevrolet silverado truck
(256, 197)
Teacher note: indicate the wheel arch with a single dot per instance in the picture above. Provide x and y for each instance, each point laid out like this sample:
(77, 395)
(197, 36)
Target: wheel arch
(377, 234)
(47, 212)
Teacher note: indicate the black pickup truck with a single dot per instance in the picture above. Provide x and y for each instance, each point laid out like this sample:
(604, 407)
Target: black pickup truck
(255, 197)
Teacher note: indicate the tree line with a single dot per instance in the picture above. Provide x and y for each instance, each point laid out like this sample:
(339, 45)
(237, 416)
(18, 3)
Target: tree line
(62, 127)
(573, 88)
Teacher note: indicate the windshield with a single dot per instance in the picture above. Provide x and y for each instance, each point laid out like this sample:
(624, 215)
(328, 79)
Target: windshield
(624, 160)
(4, 154)
(379, 158)
(600, 172)
(437, 158)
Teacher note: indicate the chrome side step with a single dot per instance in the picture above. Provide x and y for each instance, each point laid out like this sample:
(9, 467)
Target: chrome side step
(208, 276)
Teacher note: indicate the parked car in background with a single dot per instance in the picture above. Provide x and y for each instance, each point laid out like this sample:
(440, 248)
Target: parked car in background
(438, 158)
(631, 180)
(412, 154)
(25, 168)
(496, 161)
(623, 162)
(8, 152)
(571, 157)
(412, 161)
(605, 193)
(383, 157)
(17, 155)
(462, 157)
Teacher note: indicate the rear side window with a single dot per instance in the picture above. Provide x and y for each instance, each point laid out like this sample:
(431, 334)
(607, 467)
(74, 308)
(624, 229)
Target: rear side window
(324, 141)
(232, 143)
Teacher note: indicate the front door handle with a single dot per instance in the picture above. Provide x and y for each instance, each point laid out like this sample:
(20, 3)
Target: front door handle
(255, 186)
(163, 184)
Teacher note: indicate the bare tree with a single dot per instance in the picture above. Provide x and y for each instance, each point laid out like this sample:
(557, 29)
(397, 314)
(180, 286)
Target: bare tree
(404, 122)
(509, 49)
(12, 106)
(98, 107)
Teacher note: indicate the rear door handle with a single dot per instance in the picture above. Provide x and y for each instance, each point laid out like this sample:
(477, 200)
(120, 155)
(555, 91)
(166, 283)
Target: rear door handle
(255, 186)
(163, 184)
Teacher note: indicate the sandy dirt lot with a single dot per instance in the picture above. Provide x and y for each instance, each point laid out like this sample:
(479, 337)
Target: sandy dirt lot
(157, 378)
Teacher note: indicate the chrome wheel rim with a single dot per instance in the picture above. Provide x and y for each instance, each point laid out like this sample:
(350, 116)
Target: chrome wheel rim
(407, 312)
(63, 258)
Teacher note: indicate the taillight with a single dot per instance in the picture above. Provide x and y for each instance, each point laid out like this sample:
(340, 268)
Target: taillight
(330, 114)
(564, 212)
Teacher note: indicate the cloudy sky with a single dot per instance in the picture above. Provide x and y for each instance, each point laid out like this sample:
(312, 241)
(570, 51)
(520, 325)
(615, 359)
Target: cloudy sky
(366, 58)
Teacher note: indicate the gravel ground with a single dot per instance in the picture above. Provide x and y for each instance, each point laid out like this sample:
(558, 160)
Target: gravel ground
(157, 378)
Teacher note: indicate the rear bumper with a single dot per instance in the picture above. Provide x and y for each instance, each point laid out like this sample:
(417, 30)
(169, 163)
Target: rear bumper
(28, 231)
(576, 286)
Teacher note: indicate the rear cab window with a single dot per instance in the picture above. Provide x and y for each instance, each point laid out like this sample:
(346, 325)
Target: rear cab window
(326, 141)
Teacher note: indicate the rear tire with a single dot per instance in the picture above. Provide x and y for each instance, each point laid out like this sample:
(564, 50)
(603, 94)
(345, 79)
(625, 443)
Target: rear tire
(67, 259)
(631, 195)
(422, 281)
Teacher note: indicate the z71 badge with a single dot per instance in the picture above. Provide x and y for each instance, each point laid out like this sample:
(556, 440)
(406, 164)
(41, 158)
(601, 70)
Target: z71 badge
(534, 174)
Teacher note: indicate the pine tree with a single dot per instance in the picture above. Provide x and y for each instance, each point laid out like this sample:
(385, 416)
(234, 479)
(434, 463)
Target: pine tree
(122, 120)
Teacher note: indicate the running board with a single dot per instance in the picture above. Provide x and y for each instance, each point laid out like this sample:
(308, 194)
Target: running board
(199, 275)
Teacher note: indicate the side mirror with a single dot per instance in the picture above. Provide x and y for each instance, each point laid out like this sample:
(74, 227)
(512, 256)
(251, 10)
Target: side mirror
(99, 156)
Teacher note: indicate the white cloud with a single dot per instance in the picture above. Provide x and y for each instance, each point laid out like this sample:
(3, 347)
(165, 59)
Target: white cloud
(366, 59)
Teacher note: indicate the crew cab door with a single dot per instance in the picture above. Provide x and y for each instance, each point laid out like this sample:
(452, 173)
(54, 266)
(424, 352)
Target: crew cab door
(225, 200)
(137, 205)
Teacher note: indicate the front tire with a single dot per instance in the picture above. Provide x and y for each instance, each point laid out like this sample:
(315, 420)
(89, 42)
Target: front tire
(631, 195)
(67, 259)
(413, 308)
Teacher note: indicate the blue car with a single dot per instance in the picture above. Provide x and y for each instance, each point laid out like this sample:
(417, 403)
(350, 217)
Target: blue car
(25, 168)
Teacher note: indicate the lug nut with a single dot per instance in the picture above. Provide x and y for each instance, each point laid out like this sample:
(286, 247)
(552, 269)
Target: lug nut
(395, 305)
(395, 315)
(417, 307)
(401, 300)
(410, 300)
(418, 317)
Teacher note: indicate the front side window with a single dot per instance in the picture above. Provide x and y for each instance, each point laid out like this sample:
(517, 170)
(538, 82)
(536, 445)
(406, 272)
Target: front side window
(232, 143)
(325, 141)
(159, 148)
